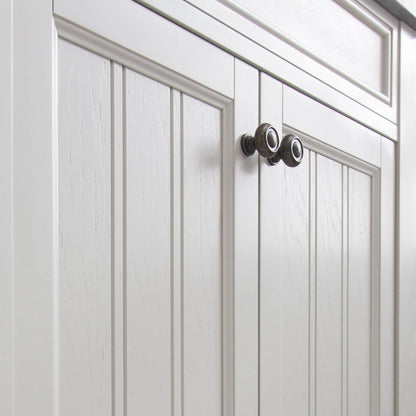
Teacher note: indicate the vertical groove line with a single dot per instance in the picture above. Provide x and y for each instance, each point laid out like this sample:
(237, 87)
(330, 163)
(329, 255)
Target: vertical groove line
(124, 117)
(112, 243)
(172, 254)
(182, 248)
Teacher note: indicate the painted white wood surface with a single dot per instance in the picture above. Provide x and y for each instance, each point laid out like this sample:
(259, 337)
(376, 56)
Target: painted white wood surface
(329, 212)
(246, 202)
(242, 30)
(320, 282)
(388, 240)
(330, 127)
(6, 212)
(201, 229)
(283, 280)
(155, 38)
(84, 232)
(367, 41)
(34, 201)
(141, 223)
(270, 380)
(35, 359)
(147, 250)
(359, 294)
(406, 260)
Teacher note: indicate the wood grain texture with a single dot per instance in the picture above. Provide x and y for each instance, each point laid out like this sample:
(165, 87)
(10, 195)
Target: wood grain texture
(284, 283)
(270, 377)
(148, 263)
(406, 260)
(266, 39)
(328, 286)
(202, 258)
(246, 245)
(34, 200)
(359, 294)
(166, 43)
(6, 211)
(330, 127)
(387, 277)
(308, 32)
(84, 232)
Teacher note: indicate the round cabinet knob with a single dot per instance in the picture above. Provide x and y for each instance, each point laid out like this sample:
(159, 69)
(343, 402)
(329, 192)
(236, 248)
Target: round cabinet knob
(290, 151)
(266, 141)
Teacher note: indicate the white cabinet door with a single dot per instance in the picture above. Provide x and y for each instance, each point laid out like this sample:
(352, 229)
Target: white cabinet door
(145, 250)
(325, 292)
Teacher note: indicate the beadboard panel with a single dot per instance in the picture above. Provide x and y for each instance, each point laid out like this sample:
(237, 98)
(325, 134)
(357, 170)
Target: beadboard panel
(318, 286)
(142, 220)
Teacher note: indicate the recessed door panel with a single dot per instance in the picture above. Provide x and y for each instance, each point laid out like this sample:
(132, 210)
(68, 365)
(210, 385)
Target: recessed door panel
(319, 288)
(142, 233)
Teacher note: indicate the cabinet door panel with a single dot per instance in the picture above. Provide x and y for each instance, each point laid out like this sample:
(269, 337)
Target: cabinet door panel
(143, 222)
(319, 270)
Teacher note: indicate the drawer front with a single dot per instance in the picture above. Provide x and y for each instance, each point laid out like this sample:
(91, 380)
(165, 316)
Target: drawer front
(326, 48)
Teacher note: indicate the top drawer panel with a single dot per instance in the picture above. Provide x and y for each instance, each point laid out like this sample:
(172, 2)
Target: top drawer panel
(347, 44)
(350, 46)
(341, 35)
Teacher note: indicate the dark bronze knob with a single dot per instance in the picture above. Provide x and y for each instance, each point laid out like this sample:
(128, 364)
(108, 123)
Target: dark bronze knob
(266, 141)
(290, 151)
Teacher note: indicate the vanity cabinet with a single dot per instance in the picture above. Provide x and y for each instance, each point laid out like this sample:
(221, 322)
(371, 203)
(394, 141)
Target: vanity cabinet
(158, 269)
